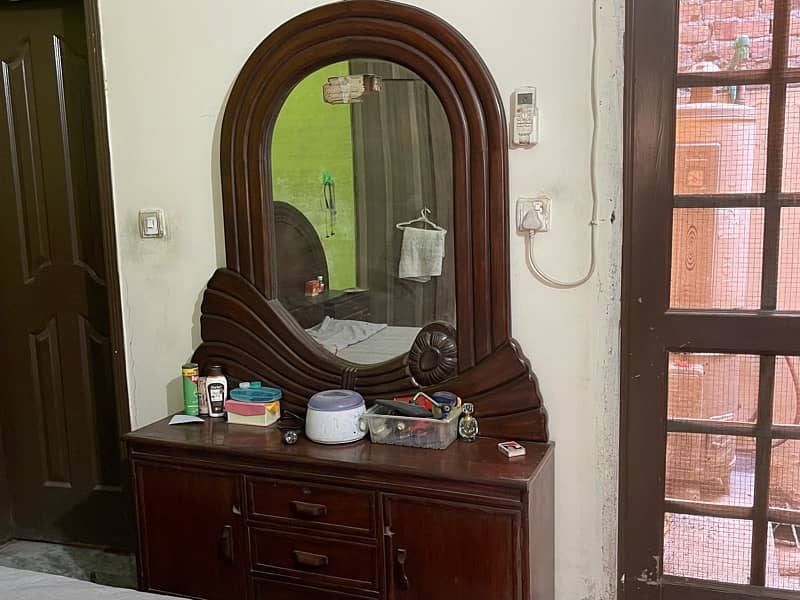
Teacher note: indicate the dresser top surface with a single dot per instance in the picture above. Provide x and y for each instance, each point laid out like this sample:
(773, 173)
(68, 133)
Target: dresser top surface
(479, 461)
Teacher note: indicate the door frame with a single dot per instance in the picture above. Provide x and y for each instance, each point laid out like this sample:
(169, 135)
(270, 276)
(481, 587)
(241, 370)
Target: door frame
(647, 170)
(91, 10)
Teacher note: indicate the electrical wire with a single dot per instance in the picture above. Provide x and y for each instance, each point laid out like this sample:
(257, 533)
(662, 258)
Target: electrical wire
(529, 250)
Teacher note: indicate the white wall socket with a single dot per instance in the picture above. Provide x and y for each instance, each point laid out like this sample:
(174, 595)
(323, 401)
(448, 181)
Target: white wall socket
(542, 205)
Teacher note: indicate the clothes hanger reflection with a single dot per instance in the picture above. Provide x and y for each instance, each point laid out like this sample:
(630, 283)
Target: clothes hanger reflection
(329, 203)
(422, 218)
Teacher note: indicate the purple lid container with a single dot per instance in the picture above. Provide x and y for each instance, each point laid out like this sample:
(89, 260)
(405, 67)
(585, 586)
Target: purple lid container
(336, 400)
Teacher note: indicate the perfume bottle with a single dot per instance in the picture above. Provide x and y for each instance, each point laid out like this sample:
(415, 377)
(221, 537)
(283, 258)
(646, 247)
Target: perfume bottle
(468, 425)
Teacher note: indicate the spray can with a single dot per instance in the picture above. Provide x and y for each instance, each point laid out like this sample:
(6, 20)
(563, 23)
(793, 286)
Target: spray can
(190, 373)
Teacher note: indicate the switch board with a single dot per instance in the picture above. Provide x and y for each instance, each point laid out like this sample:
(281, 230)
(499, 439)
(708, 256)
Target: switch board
(151, 223)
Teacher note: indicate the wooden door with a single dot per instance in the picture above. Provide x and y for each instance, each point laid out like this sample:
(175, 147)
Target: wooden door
(5, 499)
(476, 554)
(191, 532)
(58, 410)
(710, 493)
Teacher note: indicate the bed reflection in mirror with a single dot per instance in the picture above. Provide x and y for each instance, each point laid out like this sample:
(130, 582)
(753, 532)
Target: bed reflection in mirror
(362, 184)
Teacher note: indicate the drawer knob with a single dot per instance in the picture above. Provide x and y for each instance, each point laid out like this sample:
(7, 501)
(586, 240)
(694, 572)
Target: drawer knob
(307, 509)
(308, 559)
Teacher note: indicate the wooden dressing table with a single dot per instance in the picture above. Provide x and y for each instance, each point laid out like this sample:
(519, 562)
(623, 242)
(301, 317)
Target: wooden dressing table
(229, 512)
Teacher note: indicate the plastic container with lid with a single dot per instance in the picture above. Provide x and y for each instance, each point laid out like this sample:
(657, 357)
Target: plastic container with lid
(256, 394)
(254, 406)
(333, 417)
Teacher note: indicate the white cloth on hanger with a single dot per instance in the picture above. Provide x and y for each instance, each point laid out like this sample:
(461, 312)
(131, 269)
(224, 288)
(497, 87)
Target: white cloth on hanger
(421, 254)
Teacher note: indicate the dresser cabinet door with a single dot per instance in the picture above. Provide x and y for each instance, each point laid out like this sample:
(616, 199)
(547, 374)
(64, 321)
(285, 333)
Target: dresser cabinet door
(191, 532)
(443, 551)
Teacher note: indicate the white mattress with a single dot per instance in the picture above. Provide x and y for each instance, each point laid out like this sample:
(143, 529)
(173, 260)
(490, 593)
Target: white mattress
(16, 584)
(388, 343)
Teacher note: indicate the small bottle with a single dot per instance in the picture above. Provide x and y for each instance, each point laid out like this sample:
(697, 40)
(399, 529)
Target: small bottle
(468, 425)
(321, 283)
(216, 391)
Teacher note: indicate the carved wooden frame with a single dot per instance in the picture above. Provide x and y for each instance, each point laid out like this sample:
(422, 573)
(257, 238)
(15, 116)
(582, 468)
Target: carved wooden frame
(249, 332)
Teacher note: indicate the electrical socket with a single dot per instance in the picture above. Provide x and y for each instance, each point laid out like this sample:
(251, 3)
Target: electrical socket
(542, 205)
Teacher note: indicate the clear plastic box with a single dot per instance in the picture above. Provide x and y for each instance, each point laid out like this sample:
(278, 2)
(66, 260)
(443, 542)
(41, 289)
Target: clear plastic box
(411, 431)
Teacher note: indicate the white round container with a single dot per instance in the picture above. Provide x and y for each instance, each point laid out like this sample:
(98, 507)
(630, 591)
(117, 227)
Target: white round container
(333, 417)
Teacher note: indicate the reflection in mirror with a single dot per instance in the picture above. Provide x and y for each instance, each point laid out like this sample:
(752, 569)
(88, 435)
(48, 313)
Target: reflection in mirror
(362, 186)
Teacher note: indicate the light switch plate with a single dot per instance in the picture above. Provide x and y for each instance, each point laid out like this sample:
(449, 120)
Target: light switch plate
(151, 223)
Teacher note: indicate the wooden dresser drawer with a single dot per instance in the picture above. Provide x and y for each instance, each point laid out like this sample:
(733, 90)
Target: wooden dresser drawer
(314, 559)
(326, 507)
(274, 590)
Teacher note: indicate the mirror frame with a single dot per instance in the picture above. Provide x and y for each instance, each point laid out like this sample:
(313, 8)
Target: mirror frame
(247, 330)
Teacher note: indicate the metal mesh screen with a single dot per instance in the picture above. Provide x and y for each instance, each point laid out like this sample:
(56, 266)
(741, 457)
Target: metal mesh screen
(784, 486)
(791, 138)
(736, 217)
(783, 542)
(783, 556)
(707, 548)
(712, 35)
(789, 260)
(786, 391)
(709, 468)
(794, 40)
(719, 387)
(716, 258)
(721, 139)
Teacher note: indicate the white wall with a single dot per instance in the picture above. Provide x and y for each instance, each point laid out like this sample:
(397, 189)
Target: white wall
(169, 67)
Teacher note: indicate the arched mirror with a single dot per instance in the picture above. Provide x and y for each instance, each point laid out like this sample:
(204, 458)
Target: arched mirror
(362, 192)
(364, 181)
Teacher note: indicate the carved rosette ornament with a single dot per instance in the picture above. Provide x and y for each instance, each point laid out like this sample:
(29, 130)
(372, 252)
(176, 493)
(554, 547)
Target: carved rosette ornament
(434, 356)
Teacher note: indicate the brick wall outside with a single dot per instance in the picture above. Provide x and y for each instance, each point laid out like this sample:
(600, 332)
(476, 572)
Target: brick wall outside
(709, 29)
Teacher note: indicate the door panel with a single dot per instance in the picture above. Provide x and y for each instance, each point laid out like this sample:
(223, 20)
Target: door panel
(181, 554)
(476, 560)
(24, 155)
(60, 431)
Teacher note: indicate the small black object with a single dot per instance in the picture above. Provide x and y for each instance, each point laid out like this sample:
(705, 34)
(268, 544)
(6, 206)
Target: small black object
(291, 436)
(406, 408)
(290, 420)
